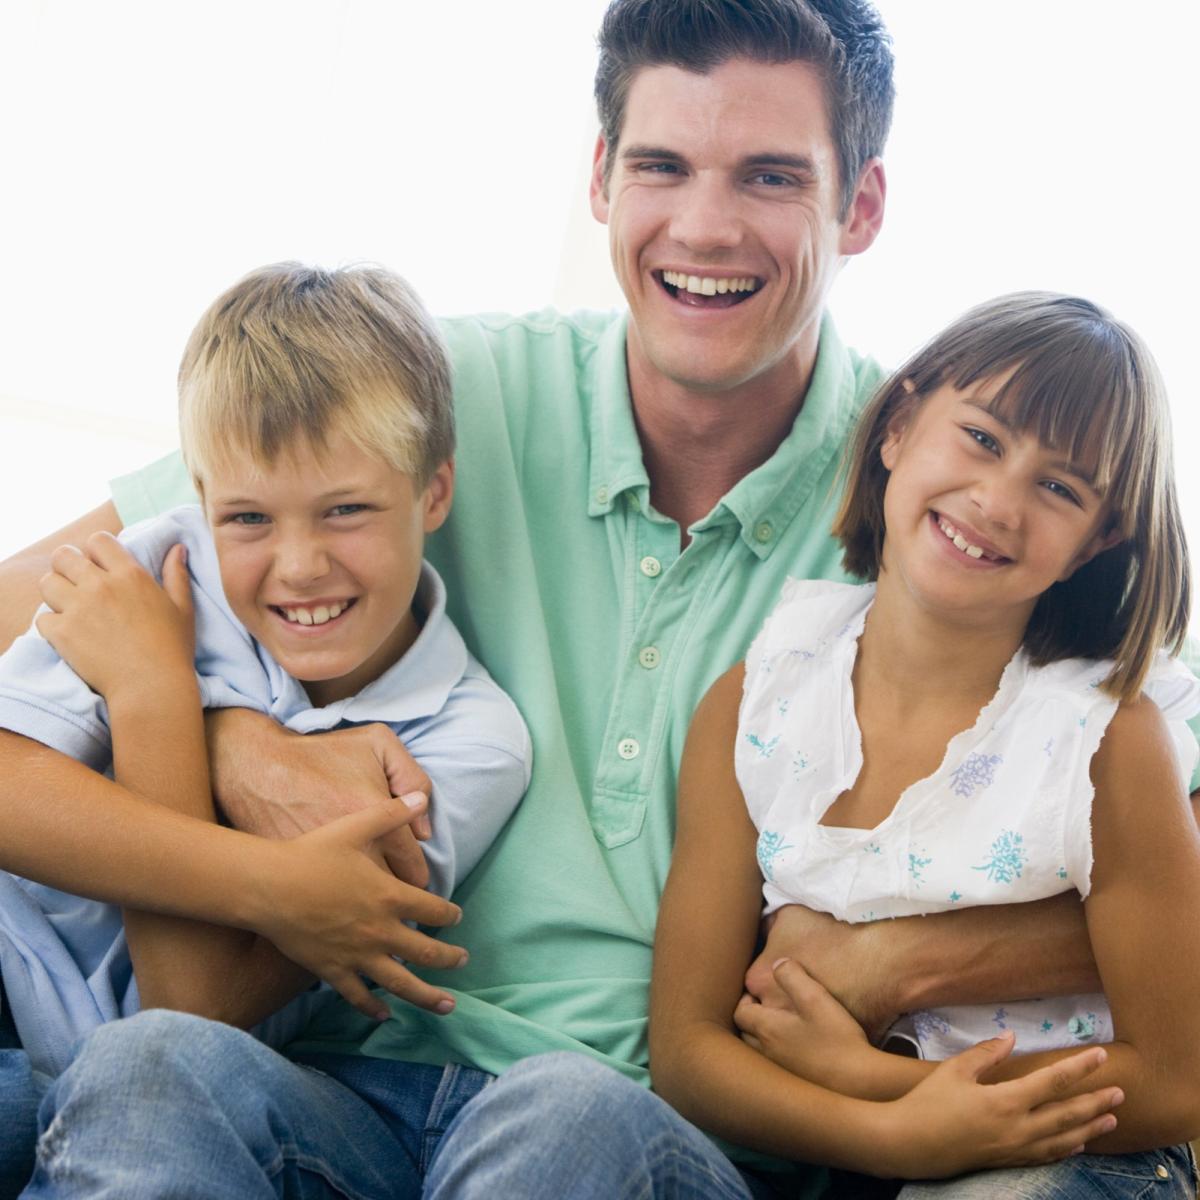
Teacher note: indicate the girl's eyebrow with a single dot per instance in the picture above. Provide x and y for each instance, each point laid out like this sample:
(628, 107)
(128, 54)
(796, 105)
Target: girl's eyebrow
(1074, 469)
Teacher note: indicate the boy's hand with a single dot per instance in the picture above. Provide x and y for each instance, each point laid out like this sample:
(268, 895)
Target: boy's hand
(279, 784)
(329, 907)
(950, 1122)
(811, 1035)
(111, 622)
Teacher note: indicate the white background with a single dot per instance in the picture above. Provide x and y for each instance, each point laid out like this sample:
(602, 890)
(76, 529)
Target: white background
(152, 152)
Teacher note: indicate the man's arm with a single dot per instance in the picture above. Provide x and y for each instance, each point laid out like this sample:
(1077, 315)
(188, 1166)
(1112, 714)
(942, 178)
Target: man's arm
(19, 575)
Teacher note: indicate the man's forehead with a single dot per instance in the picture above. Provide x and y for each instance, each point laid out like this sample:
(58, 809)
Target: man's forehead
(757, 108)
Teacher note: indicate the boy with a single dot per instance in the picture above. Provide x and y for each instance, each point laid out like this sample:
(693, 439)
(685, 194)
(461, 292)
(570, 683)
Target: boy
(315, 414)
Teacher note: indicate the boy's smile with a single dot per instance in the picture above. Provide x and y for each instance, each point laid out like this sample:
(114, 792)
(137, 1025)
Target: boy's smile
(320, 556)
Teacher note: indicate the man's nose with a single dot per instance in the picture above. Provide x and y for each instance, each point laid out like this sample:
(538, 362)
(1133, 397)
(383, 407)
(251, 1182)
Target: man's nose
(707, 216)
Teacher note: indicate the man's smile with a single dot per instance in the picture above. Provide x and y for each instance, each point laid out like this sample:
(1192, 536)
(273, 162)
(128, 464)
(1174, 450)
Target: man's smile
(708, 291)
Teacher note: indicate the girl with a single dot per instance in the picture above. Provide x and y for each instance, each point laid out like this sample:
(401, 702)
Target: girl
(933, 740)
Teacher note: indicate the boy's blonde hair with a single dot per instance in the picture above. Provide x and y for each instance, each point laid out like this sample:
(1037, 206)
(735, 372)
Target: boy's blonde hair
(1084, 382)
(292, 351)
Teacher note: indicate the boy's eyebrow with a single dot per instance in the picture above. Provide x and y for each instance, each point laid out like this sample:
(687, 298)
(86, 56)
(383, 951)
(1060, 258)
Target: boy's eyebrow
(1060, 464)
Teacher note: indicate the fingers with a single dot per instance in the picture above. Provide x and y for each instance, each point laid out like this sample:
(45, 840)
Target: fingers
(420, 826)
(355, 992)
(1056, 1080)
(972, 1063)
(798, 985)
(404, 857)
(1064, 1127)
(70, 562)
(407, 986)
(373, 822)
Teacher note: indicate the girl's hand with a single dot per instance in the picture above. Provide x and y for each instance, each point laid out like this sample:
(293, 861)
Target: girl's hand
(950, 1122)
(111, 622)
(805, 1030)
(329, 905)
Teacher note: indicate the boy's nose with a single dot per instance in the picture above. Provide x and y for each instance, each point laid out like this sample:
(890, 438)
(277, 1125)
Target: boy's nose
(301, 561)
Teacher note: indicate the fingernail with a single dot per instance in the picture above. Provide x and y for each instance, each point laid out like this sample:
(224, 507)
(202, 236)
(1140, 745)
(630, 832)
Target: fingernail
(779, 963)
(462, 962)
(443, 1007)
(381, 1014)
(1108, 1124)
(413, 799)
(457, 916)
(1077, 1150)
(183, 554)
(1118, 1098)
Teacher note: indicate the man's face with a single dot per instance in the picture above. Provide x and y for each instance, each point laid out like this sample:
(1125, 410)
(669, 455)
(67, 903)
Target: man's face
(722, 210)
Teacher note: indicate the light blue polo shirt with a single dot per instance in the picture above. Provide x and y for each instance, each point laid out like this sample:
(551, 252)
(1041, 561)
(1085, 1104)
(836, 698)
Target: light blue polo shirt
(63, 958)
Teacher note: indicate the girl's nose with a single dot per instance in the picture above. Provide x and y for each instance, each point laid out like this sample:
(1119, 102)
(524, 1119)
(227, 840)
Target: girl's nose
(997, 497)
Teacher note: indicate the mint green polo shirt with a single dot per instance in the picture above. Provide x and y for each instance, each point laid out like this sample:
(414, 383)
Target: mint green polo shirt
(575, 594)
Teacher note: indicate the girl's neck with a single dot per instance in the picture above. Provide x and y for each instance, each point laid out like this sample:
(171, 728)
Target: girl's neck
(913, 653)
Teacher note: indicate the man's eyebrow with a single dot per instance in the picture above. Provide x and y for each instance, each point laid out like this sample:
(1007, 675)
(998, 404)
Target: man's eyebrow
(795, 162)
(659, 152)
(1065, 465)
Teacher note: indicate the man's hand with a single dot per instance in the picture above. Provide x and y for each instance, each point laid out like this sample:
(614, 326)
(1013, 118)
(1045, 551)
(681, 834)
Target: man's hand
(811, 1035)
(279, 784)
(112, 623)
(845, 959)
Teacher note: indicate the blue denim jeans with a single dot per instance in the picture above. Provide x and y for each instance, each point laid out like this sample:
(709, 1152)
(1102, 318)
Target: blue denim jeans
(165, 1104)
(19, 1096)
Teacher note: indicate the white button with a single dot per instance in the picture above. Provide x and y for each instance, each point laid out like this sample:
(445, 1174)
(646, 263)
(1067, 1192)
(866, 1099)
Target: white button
(649, 657)
(628, 748)
(651, 566)
(763, 531)
(602, 495)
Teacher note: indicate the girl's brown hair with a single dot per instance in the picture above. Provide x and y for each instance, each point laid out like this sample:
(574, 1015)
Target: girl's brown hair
(1084, 383)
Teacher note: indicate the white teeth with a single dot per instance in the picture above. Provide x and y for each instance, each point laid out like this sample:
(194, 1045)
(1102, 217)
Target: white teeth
(961, 542)
(708, 285)
(315, 616)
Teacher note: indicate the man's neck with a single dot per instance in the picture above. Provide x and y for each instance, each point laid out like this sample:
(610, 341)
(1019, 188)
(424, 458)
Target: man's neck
(698, 444)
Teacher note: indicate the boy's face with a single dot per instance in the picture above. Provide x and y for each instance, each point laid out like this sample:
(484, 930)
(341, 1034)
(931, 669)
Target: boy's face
(320, 555)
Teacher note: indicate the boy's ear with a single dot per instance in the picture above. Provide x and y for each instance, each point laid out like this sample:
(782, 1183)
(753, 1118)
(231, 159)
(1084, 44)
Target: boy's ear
(438, 494)
(1092, 547)
(897, 424)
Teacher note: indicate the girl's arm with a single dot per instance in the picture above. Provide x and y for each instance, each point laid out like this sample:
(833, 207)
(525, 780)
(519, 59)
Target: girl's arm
(1146, 939)
(705, 937)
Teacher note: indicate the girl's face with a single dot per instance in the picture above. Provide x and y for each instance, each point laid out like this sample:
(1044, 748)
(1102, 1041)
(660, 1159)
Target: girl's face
(980, 517)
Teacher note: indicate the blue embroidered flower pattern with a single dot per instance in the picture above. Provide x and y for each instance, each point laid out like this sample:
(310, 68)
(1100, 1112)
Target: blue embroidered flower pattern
(799, 764)
(1082, 1028)
(765, 749)
(955, 897)
(927, 1025)
(770, 847)
(782, 706)
(1061, 872)
(917, 864)
(1008, 858)
(872, 848)
(1047, 1026)
(1000, 1018)
(974, 772)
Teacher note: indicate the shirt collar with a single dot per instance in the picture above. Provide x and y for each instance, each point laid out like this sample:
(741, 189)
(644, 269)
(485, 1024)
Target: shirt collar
(416, 686)
(765, 501)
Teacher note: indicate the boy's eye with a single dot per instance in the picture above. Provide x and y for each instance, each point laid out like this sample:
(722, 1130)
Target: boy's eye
(984, 439)
(346, 510)
(249, 518)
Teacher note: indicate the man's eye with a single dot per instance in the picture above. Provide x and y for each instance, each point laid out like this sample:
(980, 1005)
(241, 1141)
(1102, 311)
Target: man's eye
(249, 518)
(659, 168)
(771, 179)
(984, 439)
(346, 510)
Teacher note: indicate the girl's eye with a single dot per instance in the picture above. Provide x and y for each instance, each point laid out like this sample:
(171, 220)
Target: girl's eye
(249, 518)
(1060, 489)
(346, 510)
(983, 438)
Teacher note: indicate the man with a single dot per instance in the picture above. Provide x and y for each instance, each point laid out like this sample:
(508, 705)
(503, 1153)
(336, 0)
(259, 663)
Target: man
(632, 496)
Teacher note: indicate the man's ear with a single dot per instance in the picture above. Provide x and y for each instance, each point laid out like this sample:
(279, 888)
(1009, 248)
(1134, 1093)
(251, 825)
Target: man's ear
(598, 186)
(864, 217)
(436, 498)
(1092, 547)
(902, 414)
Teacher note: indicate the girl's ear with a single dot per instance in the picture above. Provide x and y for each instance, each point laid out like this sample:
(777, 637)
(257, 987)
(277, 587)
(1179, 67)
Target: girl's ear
(897, 424)
(1093, 546)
